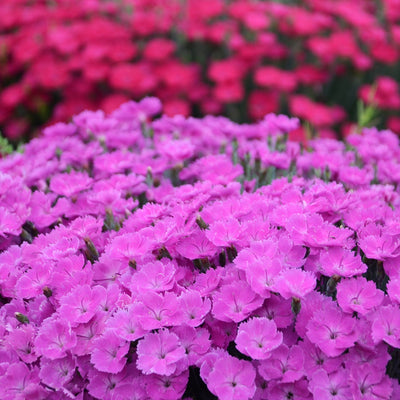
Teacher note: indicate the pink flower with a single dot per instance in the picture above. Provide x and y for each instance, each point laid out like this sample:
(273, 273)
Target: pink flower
(341, 262)
(125, 324)
(358, 295)
(159, 353)
(196, 246)
(235, 302)
(232, 379)
(56, 373)
(169, 387)
(386, 325)
(194, 307)
(109, 351)
(285, 364)
(54, 339)
(294, 283)
(21, 341)
(157, 276)
(71, 184)
(224, 233)
(334, 386)
(258, 337)
(80, 305)
(332, 331)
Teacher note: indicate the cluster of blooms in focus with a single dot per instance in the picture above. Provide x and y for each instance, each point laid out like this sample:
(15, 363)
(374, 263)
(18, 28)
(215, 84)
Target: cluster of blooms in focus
(166, 258)
(314, 59)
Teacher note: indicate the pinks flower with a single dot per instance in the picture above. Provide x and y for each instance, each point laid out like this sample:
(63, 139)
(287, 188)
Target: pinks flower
(294, 283)
(125, 324)
(285, 364)
(332, 330)
(109, 351)
(80, 305)
(342, 262)
(334, 386)
(156, 276)
(54, 339)
(158, 353)
(386, 325)
(69, 185)
(21, 341)
(20, 382)
(56, 373)
(10, 223)
(194, 307)
(165, 387)
(196, 246)
(224, 233)
(232, 379)
(257, 338)
(358, 295)
(235, 302)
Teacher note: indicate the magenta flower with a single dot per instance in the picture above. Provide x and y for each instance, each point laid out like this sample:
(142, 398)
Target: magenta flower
(21, 341)
(80, 305)
(159, 353)
(155, 311)
(386, 325)
(169, 387)
(31, 283)
(232, 379)
(54, 339)
(285, 364)
(341, 262)
(235, 302)
(315, 359)
(294, 390)
(295, 283)
(56, 373)
(367, 384)
(334, 386)
(20, 382)
(224, 233)
(393, 290)
(258, 337)
(109, 351)
(157, 276)
(194, 307)
(332, 331)
(125, 324)
(10, 223)
(358, 295)
(71, 184)
(196, 246)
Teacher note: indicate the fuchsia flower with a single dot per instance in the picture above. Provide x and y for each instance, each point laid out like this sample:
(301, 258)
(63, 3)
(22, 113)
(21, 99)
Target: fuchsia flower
(71, 184)
(386, 325)
(109, 351)
(232, 379)
(341, 262)
(194, 307)
(235, 302)
(294, 283)
(285, 364)
(358, 295)
(334, 386)
(158, 353)
(332, 330)
(54, 339)
(257, 338)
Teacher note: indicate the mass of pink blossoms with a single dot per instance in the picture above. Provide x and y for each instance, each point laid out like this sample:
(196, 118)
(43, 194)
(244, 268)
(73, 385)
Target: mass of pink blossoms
(146, 257)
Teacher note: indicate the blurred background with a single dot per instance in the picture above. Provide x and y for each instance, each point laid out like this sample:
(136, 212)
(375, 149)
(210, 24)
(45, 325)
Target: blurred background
(332, 63)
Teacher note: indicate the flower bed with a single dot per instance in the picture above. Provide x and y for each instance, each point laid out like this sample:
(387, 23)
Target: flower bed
(193, 258)
(314, 59)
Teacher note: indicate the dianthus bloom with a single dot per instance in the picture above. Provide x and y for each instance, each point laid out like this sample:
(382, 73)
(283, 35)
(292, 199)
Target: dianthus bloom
(158, 353)
(257, 338)
(232, 379)
(332, 331)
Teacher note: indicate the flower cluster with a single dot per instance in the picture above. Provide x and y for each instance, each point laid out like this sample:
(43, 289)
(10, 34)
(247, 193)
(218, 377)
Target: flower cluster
(244, 59)
(191, 258)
